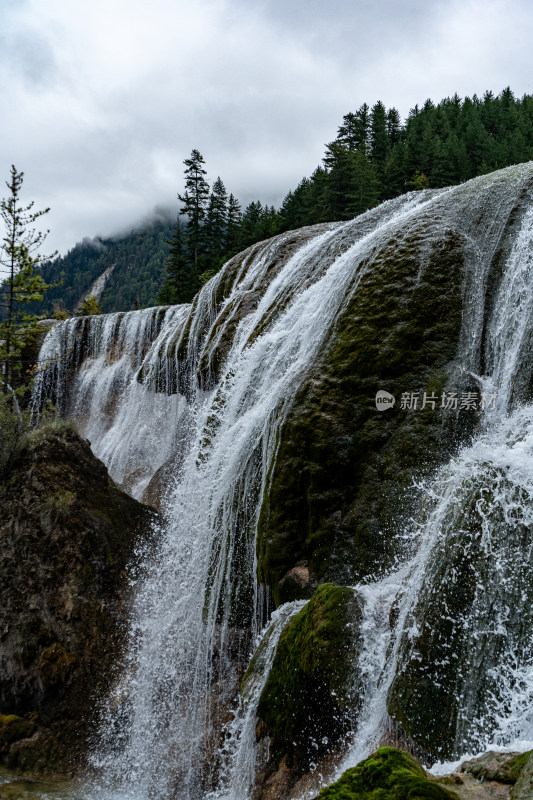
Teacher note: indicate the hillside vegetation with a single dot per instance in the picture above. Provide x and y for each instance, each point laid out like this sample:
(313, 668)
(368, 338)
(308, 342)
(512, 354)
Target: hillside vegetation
(374, 157)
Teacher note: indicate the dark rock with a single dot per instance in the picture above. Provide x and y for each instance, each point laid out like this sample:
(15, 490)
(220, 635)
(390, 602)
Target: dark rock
(338, 491)
(67, 534)
(295, 584)
(491, 766)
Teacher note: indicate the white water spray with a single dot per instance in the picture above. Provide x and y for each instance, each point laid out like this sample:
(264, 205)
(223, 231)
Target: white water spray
(206, 389)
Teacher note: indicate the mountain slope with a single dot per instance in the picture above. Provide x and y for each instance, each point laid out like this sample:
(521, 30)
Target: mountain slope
(137, 259)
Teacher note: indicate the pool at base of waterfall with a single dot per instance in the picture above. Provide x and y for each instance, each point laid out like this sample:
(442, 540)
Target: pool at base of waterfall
(22, 787)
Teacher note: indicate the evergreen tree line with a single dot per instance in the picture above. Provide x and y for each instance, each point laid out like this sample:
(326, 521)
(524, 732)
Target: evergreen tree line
(376, 158)
(373, 158)
(215, 229)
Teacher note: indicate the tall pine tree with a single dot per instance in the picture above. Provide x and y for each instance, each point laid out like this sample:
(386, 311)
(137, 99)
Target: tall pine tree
(233, 226)
(20, 277)
(216, 224)
(194, 199)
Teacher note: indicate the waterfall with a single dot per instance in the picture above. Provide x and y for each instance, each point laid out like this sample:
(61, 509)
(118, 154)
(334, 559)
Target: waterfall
(89, 367)
(192, 399)
(510, 341)
(243, 752)
(493, 478)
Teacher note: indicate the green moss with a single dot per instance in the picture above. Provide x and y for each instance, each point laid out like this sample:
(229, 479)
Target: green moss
(14, 728)
(50, 427)
(523, 788)
(8, 719)
(516, 765)
(311, 696)
(60, 501)
(388, 774)
(341, 482)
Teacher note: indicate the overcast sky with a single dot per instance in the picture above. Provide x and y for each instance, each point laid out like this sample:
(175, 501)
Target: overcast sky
(102, 100)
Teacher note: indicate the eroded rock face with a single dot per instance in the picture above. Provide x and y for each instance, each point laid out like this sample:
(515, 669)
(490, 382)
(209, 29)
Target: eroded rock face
(338, 490)
(67, 533)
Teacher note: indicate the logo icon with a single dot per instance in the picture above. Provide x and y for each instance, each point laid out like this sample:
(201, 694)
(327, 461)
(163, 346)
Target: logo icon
(384, 400)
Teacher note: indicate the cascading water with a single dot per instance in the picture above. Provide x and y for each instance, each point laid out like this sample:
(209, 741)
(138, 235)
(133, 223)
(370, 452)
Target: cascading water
(243, 754)
(131, 427)
(477, 525)
(484, 643)
(203, 392)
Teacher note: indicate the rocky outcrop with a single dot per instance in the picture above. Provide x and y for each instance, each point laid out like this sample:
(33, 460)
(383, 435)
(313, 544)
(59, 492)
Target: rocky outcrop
(474, 614)
(393, 773)
(67, 533)
(493, 766)
(337, 494)
(311, 697)
(387, 773)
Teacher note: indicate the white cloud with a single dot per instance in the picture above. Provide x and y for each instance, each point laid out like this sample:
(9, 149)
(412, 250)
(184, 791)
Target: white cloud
(104, 100)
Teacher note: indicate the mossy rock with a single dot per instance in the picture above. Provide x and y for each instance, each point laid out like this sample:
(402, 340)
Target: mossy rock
(342, 480)
(13, 728)
(452, 672)
(388, 774)
(523, 787)
(311, 696)
(494, 766)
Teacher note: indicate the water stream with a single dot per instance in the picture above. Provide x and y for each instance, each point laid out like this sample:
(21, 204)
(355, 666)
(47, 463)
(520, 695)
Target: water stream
(187, 403)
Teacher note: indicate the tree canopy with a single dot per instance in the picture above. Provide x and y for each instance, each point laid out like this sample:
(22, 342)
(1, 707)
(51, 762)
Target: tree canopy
(373, 158)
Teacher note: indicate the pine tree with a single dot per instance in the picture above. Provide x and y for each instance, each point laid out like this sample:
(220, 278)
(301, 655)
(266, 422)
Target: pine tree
(393, 176)
(354, 133)
(89, 307)
(216, 224)
(339, 163)
(250, 224)
(348, 133)
(194, 201)
(233, 226)
(379, 141)
(19, 260)
(364, 186)
(176, 288)
(394, 127)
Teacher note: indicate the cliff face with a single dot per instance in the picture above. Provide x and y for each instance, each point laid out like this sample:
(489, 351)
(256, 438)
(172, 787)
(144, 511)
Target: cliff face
(407, 532)
(67, 533)
(339, 487)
